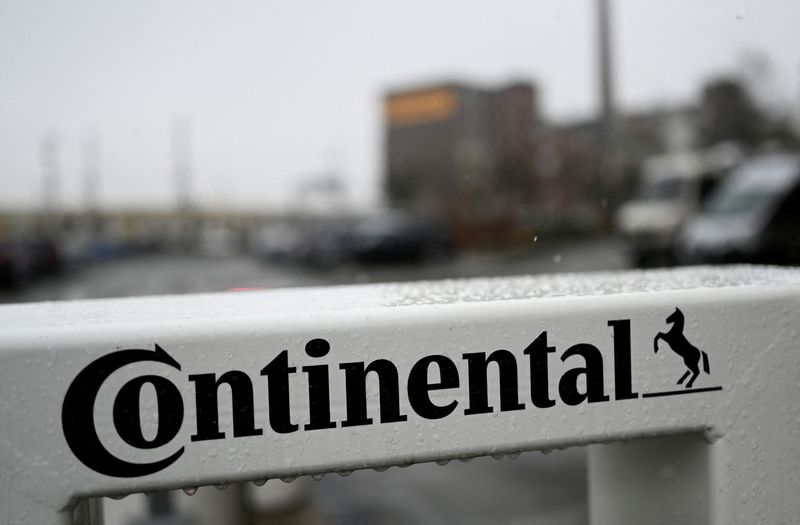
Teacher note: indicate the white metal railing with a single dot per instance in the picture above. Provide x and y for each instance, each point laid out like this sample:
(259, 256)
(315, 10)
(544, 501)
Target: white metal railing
(109, 397)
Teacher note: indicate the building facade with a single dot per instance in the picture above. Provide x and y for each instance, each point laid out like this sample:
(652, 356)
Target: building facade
(460, 151)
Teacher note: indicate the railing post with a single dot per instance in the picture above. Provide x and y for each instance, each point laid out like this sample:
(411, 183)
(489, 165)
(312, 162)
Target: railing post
(88, 512)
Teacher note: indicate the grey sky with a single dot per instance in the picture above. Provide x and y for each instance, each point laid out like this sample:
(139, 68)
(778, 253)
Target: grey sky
(281, 91)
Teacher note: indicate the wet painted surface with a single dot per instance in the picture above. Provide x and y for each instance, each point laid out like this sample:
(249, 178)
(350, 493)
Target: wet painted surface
(746, 319)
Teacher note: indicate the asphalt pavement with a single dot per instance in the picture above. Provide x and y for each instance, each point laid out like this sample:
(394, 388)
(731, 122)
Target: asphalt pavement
(157, 274)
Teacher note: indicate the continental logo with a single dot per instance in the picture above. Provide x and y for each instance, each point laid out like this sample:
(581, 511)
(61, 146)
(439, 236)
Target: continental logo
(580, 381)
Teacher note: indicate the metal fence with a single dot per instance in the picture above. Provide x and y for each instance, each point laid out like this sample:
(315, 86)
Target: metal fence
(685, 382)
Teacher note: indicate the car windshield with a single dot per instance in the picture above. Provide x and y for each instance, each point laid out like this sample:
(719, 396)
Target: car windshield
(742, 202)
(753, 188)
(663, 190)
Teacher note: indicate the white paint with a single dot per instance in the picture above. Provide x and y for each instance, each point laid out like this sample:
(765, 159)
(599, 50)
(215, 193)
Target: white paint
(746, 319)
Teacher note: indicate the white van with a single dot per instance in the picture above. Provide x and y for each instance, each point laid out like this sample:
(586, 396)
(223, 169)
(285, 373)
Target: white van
(672, 190)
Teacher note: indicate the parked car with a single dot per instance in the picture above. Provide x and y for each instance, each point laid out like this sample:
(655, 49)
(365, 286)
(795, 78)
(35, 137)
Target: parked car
(8, 275)
(23, 260)
(390, 238)
(324, 245)
(753, 217)
(399, 238)
(277, 243)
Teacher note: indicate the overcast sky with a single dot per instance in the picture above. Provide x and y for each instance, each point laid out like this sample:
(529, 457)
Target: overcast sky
(280, 92)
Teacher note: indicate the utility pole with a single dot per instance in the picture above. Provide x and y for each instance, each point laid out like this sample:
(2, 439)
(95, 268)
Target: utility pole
(182, 173)
(51, 180)
(90, 157)
(608, 139)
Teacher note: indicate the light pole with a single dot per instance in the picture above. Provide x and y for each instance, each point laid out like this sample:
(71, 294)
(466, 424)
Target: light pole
(608, 132)
(182, 172)
(51, 179)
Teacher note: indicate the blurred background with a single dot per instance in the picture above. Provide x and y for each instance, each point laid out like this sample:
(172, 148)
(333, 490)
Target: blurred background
(154, 148)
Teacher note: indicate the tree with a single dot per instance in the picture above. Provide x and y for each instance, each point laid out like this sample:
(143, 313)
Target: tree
(728, 113)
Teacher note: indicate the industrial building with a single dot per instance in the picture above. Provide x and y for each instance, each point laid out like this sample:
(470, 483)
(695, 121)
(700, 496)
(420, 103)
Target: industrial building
(462, 152)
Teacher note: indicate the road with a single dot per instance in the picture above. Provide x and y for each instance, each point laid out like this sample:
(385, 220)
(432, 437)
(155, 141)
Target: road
(178, 274)
(532, 488)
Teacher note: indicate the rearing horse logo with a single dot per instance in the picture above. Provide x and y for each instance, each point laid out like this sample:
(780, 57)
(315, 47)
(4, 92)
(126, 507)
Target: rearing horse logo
(681, 346)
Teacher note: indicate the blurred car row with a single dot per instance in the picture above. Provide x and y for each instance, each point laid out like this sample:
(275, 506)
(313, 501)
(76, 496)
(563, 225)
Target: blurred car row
(24, 260)
(27, 257)
(705, 211)
(391, 238)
